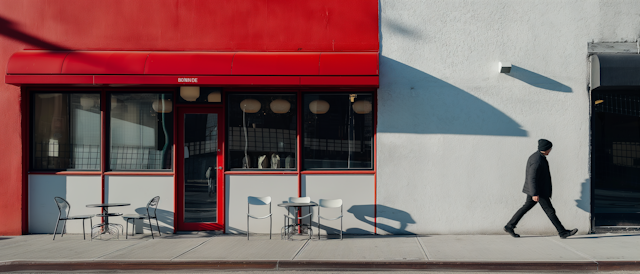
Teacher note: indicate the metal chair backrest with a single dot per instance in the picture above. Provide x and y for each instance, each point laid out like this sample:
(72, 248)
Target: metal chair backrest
(259, 200)
(153, 204)
(330, 203)
(299, 199)
(63, 207)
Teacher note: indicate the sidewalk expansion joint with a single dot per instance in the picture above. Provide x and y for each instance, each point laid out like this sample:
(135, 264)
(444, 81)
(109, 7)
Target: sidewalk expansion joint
(109, 253)
(300, 250)
(573, 250)
(424, 249)
(190, 249)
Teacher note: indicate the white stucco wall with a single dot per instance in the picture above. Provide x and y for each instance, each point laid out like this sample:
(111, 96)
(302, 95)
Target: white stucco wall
(79, 191)
(138, 191)
(454, 134)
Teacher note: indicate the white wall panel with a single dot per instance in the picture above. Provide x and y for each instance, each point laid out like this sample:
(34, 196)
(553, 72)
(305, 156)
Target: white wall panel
(77, 190)
(138, 191)
(358, 196)
(239, 187)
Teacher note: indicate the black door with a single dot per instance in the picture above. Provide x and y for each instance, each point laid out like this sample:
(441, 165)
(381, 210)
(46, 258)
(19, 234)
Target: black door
(615, 157)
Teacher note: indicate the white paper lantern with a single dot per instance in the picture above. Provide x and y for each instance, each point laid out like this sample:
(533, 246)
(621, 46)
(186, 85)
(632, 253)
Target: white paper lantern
(157, 106)
(190, 93)
(280, 106)
(86, 102)
(319, 107)
(214, 97)
(362, 107)
(114, 102)
(250, 105)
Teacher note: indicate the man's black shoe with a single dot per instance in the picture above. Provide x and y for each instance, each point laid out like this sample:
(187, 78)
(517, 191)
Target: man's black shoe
(568, 233)
(509, 230)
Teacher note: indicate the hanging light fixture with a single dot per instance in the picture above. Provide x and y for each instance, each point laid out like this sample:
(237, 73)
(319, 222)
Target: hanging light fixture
(159, 108)
(319, 107)
(250, 105)
(362, 107)
(190, 93)
(86, 102)
(114, 102)
(214, 97)
(280, 106)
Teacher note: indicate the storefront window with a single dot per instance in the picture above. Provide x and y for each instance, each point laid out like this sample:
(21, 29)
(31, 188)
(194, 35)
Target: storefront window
(65, 131)
(337, 131)
(141, 136)
(262, 131)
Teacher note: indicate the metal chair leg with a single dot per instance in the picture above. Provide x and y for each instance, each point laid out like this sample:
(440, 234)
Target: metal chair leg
(270, 226)
(247, 227)
(64, 228)
(126, 229)
(150, 227)
(55, 230)
(158, 226)
(91, 231)
(84, 234)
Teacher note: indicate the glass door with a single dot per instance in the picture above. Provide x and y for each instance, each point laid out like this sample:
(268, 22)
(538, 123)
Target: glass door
(200, 170)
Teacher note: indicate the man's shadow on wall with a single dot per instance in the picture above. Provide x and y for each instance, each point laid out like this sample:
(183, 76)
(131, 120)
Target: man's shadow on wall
(420, 103)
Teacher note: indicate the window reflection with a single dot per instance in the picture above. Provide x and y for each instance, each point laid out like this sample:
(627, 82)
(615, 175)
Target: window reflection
(66, 131)
(338, 131)
(141, 131)
(262, 131)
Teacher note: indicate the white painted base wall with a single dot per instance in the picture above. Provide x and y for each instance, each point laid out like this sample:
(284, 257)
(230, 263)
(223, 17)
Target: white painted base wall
(77, 190)
(139, 190)
(358, 196)
(240, 187)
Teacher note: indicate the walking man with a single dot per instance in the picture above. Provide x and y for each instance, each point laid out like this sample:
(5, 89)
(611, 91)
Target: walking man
(537, 186)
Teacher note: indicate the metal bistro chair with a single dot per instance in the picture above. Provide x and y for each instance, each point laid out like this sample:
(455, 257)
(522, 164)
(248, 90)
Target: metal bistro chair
(259, 201)
(152, 205)
(330, 203)
(290, 228)
(63, 215)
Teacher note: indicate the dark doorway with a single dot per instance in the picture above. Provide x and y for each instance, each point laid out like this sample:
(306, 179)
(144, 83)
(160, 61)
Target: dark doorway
(616, 157)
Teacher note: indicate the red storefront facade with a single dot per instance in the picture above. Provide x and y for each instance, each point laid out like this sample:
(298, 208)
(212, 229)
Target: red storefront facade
(288, 47)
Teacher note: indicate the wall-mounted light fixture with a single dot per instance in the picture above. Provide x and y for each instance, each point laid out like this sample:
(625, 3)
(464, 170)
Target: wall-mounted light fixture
(189, 93)
(504, 67)
(319, 107)
(250, 105)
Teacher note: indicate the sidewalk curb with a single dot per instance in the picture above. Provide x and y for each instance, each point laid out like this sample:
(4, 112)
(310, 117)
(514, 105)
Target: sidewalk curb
(317, 265)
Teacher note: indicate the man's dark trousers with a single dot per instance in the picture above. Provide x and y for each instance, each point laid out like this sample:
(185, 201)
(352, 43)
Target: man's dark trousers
(545, 203)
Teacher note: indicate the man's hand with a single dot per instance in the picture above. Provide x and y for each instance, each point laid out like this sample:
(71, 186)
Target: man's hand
(535, 198)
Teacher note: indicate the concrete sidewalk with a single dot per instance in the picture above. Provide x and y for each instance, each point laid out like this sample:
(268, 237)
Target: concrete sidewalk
(200, 251)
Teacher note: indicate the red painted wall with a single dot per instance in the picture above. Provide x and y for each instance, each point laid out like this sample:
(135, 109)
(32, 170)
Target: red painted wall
(172, 25)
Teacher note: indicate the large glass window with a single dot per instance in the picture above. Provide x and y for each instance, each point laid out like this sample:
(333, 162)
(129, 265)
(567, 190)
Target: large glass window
(337, 131)
(65, 131)
(141, 136)
(262, 131)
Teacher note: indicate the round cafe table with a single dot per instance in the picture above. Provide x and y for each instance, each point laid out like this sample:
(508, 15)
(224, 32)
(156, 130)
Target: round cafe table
(106, 227)
(289, 229)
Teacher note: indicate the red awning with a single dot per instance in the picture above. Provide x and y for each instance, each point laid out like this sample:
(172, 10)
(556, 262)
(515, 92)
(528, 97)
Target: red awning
(193, 68)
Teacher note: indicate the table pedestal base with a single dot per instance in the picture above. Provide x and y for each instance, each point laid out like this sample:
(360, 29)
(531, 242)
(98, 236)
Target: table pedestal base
(108, 230)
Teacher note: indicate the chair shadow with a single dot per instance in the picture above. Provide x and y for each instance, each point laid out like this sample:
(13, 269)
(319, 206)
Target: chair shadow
(165, 219)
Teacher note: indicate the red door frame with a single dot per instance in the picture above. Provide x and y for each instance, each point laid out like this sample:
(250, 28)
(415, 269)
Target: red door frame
(180, 224)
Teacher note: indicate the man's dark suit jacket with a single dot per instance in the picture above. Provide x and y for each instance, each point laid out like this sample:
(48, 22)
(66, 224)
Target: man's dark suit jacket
(538, 178)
